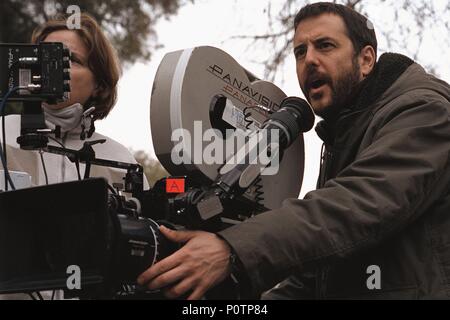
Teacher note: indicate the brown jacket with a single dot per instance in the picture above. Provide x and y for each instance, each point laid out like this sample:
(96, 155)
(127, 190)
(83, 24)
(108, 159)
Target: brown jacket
(383, 200)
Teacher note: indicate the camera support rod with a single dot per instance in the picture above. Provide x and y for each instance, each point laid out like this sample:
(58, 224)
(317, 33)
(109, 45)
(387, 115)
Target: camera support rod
(135, 173)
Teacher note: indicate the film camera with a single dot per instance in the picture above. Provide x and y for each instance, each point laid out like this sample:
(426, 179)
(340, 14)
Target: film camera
(112, 237)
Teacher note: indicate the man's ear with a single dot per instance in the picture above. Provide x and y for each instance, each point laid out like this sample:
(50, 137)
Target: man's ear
(367, 60)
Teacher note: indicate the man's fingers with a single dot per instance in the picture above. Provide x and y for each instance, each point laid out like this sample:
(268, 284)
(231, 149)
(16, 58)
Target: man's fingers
(198, 293)
(193, 269)
(177, 236)
(167, 278)
(159, 268)
(180, 289)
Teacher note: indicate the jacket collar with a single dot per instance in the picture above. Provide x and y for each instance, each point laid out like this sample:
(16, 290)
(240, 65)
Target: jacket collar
(388, 69)
(72, 120)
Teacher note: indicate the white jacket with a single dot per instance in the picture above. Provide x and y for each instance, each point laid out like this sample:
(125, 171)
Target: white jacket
(59, 168)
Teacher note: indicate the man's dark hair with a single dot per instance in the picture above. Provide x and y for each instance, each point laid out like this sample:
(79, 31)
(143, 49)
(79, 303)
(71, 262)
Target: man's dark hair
(357, 25)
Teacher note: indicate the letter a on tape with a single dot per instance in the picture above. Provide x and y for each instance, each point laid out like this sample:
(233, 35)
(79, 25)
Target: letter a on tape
(174, 185)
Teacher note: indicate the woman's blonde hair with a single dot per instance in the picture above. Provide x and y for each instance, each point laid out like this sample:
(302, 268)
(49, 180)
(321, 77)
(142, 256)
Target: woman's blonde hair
(101, 60)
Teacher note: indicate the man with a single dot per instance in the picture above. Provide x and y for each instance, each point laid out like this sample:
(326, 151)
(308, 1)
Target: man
(378, 226)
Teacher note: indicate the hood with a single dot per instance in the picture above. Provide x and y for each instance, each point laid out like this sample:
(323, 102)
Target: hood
(393, 76)
(415, 78)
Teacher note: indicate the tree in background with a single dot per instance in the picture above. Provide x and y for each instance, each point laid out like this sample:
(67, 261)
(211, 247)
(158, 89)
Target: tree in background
(152, 168)
(129, 24)
(405, 26)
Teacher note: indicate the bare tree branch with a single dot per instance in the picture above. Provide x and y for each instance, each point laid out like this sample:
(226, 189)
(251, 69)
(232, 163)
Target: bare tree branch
(413, 22)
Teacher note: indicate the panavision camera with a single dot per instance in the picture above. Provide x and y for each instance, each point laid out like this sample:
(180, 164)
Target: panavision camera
(209, 117)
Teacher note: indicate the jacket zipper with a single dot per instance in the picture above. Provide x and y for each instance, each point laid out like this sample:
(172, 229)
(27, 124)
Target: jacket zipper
(324, 172)
(322, 273)
(321, 280)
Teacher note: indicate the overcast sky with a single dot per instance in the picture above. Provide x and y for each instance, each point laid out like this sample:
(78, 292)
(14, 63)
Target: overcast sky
(212, 22)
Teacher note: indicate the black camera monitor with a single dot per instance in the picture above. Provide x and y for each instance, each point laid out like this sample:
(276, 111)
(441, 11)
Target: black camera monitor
(46, 230)
(43, 68)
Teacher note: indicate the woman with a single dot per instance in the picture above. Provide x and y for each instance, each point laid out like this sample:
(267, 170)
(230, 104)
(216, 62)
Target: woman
(95, 73)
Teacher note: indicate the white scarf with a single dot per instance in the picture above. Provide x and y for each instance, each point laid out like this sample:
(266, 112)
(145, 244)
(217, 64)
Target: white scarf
(71, 119)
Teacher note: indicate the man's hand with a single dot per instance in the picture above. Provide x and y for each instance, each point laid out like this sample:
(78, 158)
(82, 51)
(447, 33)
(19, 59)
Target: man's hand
(199, 265)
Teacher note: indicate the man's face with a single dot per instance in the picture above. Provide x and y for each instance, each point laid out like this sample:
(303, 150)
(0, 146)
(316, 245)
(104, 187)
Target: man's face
(327, 68)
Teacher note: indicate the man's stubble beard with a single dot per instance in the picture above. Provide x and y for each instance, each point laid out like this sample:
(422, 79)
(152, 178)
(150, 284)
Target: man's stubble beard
(343, 91)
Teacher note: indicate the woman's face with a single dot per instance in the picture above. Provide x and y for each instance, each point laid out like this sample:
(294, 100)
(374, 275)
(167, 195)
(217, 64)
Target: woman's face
(82, 83)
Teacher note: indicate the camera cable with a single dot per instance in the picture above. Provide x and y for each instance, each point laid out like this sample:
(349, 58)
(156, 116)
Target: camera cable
(41, 153)
(3, 144)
